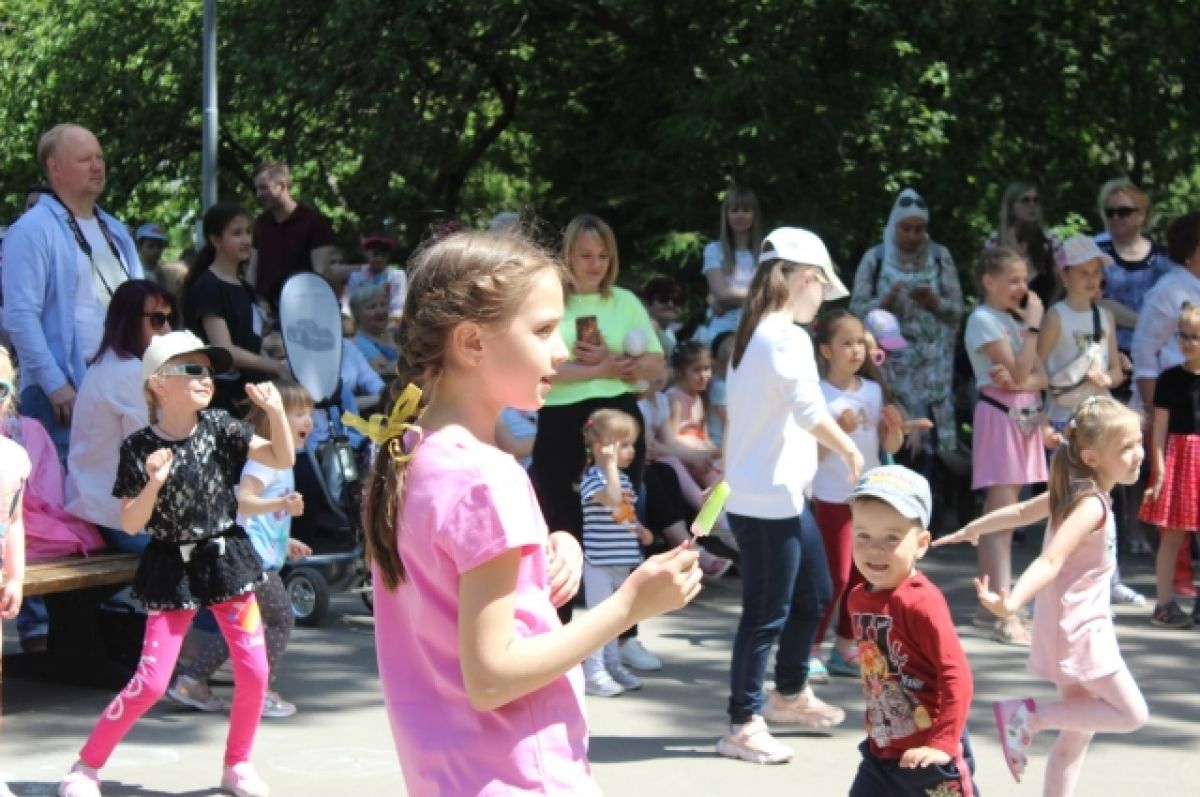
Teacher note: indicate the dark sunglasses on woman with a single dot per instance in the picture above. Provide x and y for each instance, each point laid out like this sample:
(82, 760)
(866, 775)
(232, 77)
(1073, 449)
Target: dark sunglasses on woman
(1124, 212)
(157, 320)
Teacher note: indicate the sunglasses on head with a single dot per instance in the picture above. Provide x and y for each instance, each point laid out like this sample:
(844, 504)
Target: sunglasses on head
(1123, 211)
(909, 201)
(157, 320)
(6, 389)
(194, 370)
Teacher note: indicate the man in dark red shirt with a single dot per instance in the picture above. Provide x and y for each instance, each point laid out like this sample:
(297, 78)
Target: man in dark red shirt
(915, 676)
(288, 237)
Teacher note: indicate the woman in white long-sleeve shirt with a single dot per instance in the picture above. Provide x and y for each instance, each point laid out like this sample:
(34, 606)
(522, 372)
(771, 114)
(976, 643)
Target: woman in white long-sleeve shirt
(777, 415)
(111, 405)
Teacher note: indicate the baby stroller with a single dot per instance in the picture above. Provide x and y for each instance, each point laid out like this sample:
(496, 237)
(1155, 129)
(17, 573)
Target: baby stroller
(310, 322)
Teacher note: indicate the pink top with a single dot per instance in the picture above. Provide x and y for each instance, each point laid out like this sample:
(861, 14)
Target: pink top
(466, 503)
(1073, 635)
(692, 423)
(14, 470)
(50, 530)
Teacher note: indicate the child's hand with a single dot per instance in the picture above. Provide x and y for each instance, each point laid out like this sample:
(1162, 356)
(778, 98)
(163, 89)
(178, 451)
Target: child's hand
(298, 550)
(293, 504)
(855, 464)
(923, 757)
(962, 535)
(1099, 378)
(890, 417)
(1033, 310)
(998, 603)
(1051, 439)
(158, 466)
(604, 454)
(564, 560)
(10, 599)
(1001, 377)
(848, 420)
(1154, 487)
(644, 535)
(663, 583)
(1126, 363)
(265, 396)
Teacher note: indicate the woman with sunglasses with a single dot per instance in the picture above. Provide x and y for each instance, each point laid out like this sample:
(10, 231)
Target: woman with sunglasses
(1138, 260)
(663, 297)
(915, 279)
(112, 405)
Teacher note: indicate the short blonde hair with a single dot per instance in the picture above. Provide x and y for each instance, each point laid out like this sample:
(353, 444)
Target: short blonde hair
(1123, 185)
(585, 224)
(48, 143)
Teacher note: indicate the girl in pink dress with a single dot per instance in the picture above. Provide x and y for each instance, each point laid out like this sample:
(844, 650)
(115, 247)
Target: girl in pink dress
(1074, 642)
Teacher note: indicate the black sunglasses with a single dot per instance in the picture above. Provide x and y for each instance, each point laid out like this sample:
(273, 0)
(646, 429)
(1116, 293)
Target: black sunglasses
(909, 201)
(672, 300)
(1123, 211)
(186, 369)
(157, 320)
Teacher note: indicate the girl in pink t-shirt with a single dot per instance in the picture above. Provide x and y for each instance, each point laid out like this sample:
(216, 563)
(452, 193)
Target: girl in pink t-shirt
(14, 470)
(1074, 642)
(481, 682)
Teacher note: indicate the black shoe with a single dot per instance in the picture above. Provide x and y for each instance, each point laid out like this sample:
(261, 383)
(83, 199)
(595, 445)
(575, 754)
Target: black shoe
(1170, 616)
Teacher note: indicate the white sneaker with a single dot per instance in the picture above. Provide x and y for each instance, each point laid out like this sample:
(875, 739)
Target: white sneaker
(752, 742)
(242, 781)
(81, 781)
(634, 655)
(624, 677)
(804, 709)
(1123, 593)
(601, 684)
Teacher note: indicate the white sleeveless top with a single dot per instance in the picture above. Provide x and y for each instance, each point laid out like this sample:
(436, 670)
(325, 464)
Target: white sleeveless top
(1077, 332)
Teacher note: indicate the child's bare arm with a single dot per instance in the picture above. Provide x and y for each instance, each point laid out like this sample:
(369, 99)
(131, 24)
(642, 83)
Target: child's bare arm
(1006, 517)
(498, 666)
(278, 452)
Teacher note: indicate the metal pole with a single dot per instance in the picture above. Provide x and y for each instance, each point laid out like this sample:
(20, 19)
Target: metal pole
(208, 157)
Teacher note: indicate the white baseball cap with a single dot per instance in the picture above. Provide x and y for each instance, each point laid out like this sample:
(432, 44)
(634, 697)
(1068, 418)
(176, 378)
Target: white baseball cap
(803, 247)
(166, 347)
(1079, 249)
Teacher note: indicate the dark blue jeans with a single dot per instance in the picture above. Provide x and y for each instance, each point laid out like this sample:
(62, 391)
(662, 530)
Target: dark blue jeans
(785, 590)
(35, 404)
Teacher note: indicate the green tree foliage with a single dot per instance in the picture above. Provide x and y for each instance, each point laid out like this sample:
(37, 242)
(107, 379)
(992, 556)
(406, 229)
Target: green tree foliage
(396, 115)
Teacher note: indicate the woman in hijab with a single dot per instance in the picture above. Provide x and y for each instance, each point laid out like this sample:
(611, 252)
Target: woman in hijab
(915, 279)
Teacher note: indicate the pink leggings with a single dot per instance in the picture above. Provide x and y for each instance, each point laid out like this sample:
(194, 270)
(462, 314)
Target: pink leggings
(834, 522)
(1112, 704)
(243, 631)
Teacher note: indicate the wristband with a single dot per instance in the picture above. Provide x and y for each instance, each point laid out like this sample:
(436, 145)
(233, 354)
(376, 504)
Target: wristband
(1033, 330)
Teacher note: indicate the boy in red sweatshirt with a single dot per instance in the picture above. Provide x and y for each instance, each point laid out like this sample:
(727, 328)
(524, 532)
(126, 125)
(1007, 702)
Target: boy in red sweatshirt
(915, 676)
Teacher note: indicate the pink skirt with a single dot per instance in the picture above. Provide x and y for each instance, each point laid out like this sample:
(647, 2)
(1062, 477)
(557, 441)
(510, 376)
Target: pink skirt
(1178, 502)
(1000, 452)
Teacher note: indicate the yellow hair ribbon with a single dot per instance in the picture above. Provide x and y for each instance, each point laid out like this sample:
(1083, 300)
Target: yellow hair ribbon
(382, 429)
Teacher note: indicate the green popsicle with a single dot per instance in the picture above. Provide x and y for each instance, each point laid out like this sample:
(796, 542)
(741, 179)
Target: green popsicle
(704, 521)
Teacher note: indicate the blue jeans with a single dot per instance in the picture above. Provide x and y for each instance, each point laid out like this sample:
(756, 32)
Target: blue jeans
(118, 540)
(785, 590)
(35, 404)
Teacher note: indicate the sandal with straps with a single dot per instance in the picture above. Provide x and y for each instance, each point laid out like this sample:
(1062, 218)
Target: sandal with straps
(1012, 720)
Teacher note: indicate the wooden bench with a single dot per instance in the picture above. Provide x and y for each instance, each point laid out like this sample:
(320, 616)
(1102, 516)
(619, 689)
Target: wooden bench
(67, 573)
(82, 648)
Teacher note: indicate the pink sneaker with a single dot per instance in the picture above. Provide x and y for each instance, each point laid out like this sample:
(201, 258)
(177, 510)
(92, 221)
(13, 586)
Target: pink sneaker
(804, 709)
(81, 781)
(1012, 720)
(242, 781)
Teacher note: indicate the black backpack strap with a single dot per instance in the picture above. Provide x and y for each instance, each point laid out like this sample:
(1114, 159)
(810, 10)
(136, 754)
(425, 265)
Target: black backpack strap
(1097, 332)
(878, 270)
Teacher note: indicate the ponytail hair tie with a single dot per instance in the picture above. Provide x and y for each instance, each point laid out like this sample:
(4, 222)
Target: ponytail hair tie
(383, 429)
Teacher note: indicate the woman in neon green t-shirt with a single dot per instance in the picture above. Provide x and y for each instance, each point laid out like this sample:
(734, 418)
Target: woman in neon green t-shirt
(599, 374)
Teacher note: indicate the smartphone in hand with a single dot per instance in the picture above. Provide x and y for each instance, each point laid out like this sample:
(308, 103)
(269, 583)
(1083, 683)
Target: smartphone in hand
(587, 330)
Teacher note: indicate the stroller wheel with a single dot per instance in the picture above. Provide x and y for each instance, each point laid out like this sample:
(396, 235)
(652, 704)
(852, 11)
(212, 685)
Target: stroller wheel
(309, 594)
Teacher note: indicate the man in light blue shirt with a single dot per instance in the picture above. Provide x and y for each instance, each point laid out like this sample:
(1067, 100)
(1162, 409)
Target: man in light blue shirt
(62, 261)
